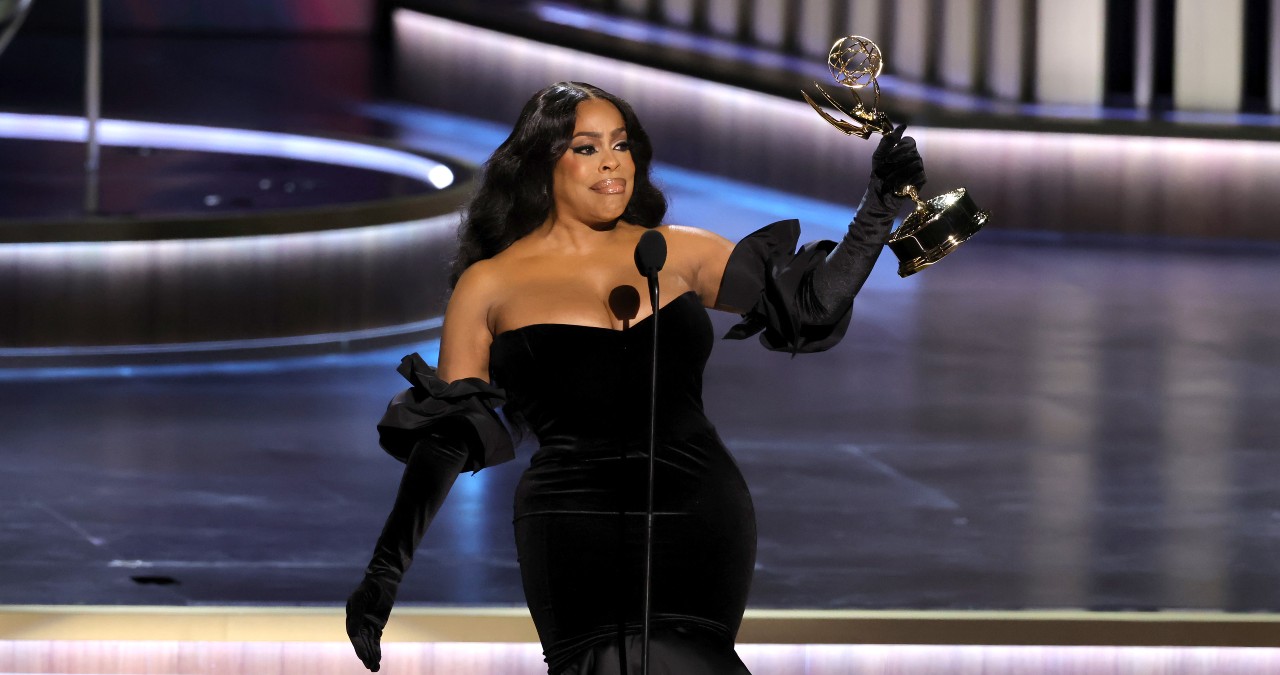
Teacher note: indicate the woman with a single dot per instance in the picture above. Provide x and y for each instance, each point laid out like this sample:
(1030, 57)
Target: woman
(546, 305)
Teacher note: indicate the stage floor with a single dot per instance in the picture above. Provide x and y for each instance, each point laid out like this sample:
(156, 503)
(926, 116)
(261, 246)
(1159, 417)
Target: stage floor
(1038, 422)
(1025, 426)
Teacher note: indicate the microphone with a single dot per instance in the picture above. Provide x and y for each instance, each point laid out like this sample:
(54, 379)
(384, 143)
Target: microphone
(651, 254)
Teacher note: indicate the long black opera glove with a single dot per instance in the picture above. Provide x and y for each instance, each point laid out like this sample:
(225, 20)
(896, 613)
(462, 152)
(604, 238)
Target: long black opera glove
(433, 466)
(801, 301)
(438, 430)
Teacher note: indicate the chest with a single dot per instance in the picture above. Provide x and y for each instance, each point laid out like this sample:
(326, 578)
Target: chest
(601, 299)
(580, 366)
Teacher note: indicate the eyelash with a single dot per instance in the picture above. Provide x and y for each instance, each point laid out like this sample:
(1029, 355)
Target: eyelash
(623, 146)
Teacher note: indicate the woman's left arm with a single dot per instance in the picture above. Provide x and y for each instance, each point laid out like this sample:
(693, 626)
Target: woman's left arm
(802, 299)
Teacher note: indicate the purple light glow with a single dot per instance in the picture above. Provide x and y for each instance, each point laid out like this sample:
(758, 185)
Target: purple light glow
(299, 656)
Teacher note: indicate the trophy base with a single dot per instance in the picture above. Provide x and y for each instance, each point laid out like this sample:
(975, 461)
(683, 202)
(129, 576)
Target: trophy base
(934, 230)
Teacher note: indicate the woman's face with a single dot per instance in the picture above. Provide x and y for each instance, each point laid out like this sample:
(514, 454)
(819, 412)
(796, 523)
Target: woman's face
(594, 178)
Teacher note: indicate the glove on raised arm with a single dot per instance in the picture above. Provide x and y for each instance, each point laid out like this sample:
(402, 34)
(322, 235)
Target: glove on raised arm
(800, 300)
(894, 165)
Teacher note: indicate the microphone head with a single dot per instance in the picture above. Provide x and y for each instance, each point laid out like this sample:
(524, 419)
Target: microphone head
(651, 253)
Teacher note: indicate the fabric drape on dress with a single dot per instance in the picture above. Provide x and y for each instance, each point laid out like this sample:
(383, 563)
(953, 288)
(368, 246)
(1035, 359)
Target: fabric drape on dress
(468, 403)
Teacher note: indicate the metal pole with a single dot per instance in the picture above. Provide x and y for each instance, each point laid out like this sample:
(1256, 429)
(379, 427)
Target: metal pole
(1273, 88)
(648, 525)
(92, 101)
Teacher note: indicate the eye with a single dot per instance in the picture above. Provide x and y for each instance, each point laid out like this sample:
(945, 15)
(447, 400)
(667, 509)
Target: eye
(623, 146)
(586, 149)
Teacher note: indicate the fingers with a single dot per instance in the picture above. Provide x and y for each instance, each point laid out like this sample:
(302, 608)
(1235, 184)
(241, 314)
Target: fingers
(910, 175)
(890, 144)
(904, 145)
(904, 158)
(905, 151)
(368, 649)
(896, 161)
(910, 171)
(893, 137)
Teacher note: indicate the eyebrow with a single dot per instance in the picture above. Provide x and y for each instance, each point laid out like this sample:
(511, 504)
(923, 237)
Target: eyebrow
(596, 134)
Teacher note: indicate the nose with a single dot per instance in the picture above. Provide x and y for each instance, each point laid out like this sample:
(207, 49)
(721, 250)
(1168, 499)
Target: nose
(608, 160)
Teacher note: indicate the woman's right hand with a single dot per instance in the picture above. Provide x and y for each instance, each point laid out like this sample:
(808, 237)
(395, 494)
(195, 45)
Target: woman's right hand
(896, 164)
(368, 608)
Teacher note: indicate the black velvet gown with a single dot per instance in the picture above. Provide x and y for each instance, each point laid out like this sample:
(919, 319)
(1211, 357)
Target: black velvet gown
(580, 506)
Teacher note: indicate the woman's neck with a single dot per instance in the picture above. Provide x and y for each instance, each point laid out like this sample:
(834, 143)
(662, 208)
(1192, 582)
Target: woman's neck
(575, 236)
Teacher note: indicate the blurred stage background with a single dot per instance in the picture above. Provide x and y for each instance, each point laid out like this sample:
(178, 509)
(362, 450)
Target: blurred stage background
(1054, 452)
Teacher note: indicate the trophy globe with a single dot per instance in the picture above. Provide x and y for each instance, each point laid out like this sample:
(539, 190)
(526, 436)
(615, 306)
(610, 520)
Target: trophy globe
(855, 62)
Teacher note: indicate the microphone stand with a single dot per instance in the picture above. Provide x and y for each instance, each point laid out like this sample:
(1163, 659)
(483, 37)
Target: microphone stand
(651, 255)
(648, 530)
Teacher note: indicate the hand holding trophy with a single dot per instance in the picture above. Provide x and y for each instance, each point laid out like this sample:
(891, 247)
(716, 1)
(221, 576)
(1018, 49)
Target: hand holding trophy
(938, 225)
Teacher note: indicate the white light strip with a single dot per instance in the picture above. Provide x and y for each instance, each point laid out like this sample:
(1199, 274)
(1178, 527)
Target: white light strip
(311, 649)
(225, 345)
(230, 141)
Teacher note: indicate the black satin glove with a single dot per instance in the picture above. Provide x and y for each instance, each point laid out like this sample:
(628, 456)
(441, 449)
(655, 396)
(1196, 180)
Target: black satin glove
(429, 473)
(368, 609)
(894, 165)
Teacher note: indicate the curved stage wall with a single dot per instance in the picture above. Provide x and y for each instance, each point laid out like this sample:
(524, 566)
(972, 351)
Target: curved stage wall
(175, 299)
(1039, 181)
(164, 289)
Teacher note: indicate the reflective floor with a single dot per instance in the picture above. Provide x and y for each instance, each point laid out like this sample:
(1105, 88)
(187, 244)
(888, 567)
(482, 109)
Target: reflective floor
(1047, 423)
(1025, 426)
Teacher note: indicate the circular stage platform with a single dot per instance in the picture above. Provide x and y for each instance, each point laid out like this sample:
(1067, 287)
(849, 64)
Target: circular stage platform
(202, 242)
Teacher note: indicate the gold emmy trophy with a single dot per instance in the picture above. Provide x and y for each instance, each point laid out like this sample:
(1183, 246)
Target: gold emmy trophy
(938, 225)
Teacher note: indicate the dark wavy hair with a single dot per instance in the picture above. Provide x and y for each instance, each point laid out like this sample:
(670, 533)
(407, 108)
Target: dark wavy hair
(514, 195)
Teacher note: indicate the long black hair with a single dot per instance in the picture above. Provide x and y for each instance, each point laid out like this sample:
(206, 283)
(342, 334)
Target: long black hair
(514, 196)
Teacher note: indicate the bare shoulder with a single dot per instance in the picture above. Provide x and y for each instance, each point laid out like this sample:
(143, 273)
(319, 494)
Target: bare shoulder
(695, 237)
(478, 285)
(698, 247)
(468, 332)
(703, 254)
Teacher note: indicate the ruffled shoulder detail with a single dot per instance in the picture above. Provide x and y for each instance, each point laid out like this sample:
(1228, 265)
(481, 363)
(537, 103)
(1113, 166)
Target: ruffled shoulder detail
(766, 275)
(430, 405)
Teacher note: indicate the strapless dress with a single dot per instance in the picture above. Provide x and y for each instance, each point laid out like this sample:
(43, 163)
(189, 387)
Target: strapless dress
(580, 506)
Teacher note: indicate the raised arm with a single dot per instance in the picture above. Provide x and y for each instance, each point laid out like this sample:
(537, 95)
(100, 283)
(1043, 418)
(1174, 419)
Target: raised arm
(801, 300)
(894, 165)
